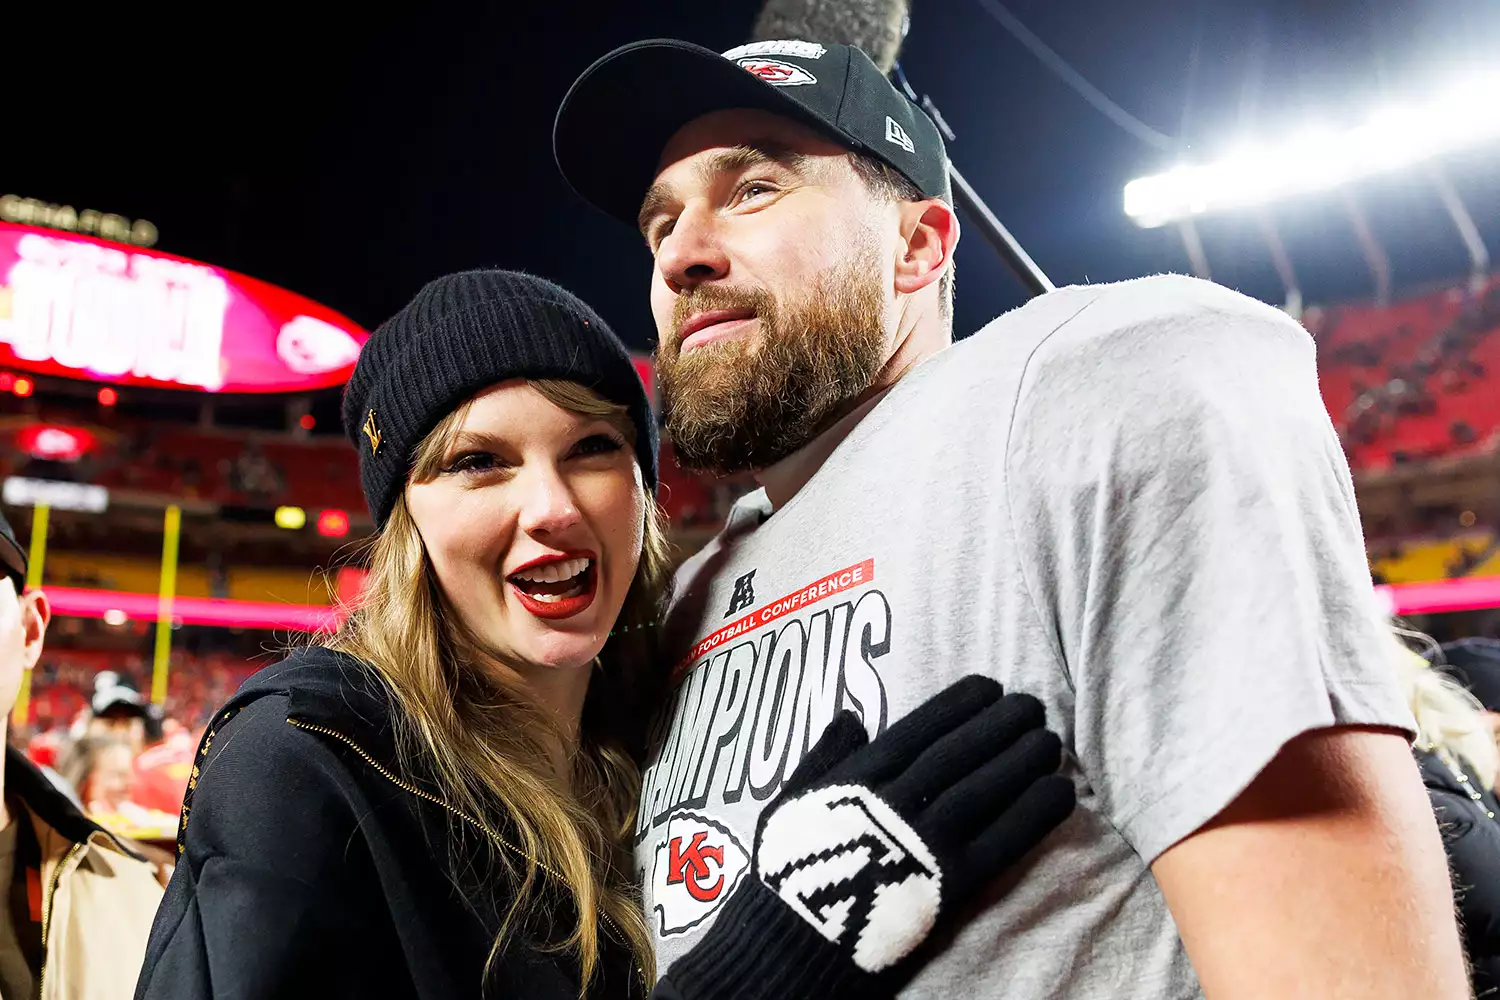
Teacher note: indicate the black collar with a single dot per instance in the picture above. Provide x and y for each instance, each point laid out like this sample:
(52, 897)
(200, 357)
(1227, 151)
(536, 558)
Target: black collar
(26, 782)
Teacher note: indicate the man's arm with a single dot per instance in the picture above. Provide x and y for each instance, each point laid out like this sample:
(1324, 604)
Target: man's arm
(1192, 536)
(1325, 878)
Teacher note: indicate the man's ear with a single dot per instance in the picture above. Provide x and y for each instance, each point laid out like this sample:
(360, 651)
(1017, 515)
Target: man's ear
(36, 612)
(929, 231)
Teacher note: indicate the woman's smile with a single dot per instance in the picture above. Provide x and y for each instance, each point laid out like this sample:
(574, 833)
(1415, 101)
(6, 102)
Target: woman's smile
(556, 586)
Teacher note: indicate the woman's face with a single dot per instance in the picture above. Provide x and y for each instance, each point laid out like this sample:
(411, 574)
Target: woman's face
(533, 526)
(112, 780)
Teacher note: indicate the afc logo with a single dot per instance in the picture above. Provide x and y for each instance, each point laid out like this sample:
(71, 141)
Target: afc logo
(743, 596)
(698, 865)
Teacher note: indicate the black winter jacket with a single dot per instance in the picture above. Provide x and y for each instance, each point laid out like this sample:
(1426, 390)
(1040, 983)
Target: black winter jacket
(1471, 834)
(309, 867)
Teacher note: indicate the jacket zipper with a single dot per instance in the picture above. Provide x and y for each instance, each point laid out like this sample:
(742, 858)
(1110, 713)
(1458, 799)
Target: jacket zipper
(408, 787)
(52, 883)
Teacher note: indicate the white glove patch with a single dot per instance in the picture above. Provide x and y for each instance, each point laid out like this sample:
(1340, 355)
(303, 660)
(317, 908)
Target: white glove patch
(850, 866)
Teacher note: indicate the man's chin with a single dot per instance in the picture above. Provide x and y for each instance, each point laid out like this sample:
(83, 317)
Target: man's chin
(722, 448)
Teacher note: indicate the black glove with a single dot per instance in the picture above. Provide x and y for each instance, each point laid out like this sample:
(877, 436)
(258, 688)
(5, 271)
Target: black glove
(869, 846)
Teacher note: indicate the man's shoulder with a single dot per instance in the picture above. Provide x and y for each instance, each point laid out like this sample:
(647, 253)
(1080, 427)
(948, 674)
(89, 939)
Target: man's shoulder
(1141, 332)
(1086, 314)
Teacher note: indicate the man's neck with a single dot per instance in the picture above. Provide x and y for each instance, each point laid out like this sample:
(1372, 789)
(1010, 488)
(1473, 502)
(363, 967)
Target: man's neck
(915, 342)
(782, 480)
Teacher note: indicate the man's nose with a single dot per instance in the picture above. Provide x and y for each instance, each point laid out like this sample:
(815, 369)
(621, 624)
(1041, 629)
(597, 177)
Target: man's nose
(693, 252)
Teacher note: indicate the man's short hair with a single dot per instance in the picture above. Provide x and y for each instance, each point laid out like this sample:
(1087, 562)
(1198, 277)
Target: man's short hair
(887, 183)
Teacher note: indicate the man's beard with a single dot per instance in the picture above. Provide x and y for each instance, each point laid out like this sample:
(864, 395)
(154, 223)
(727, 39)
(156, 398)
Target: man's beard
(747, 403)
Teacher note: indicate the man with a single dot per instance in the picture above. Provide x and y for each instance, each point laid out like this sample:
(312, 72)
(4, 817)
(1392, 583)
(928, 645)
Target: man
(78, 905)
(117, 710)
(1126, 500)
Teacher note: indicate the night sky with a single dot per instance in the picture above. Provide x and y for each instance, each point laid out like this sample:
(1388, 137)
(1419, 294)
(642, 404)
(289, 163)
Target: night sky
(352, 161)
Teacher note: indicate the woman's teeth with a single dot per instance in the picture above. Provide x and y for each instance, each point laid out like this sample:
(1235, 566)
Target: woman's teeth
(553, 572)
(546, 598)
(554, 581)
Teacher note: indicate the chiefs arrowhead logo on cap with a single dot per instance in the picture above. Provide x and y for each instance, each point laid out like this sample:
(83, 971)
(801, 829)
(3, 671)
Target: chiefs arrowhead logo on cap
(777, 47)
(753, 58)
(777, 73)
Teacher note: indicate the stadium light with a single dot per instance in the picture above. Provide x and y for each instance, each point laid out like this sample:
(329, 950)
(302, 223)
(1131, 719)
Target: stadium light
(1319, 159)
(22, 491)
(290, 518)
(116, 617)
(333, 523)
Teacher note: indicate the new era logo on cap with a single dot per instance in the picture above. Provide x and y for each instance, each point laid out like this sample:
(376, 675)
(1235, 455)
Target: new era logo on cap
(895, 133)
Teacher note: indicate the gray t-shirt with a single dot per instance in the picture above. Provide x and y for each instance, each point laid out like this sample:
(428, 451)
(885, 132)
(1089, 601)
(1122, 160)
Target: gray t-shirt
(1127, 500)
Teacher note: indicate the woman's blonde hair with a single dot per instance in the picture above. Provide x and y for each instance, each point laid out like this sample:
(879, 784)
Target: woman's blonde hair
(1450, 721)
(485, 744)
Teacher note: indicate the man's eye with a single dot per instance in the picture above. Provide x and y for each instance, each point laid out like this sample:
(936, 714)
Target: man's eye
(752, 190)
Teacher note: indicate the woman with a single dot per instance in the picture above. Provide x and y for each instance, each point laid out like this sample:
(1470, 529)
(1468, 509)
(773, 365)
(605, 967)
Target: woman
(438, 802)
(1456, 753)
(1475, 663)
(101, 770)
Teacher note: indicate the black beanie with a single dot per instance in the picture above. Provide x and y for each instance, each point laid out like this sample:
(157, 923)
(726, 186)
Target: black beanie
(466, 332)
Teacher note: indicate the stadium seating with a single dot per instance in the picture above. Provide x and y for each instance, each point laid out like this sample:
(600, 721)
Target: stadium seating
(1416, 379)
(1468, 554)
(318, 474)
(196, 685)
(137, 575)
(191, 463)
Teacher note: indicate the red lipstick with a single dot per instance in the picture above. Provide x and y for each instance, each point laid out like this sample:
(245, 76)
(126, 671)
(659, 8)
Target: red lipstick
(557, 608)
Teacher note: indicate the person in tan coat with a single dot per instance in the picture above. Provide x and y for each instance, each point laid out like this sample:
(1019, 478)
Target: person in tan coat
(76, 904)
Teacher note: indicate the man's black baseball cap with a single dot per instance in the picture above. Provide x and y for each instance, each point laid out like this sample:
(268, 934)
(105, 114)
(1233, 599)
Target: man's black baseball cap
(12, 556)
(619, 115)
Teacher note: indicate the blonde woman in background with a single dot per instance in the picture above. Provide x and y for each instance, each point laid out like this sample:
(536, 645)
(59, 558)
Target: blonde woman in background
(1474, 661)
(101, 770)
(1455, 749)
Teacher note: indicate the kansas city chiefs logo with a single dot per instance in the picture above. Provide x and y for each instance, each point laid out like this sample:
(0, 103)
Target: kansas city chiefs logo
(697, 867)
(309, 346)
(777, 73)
